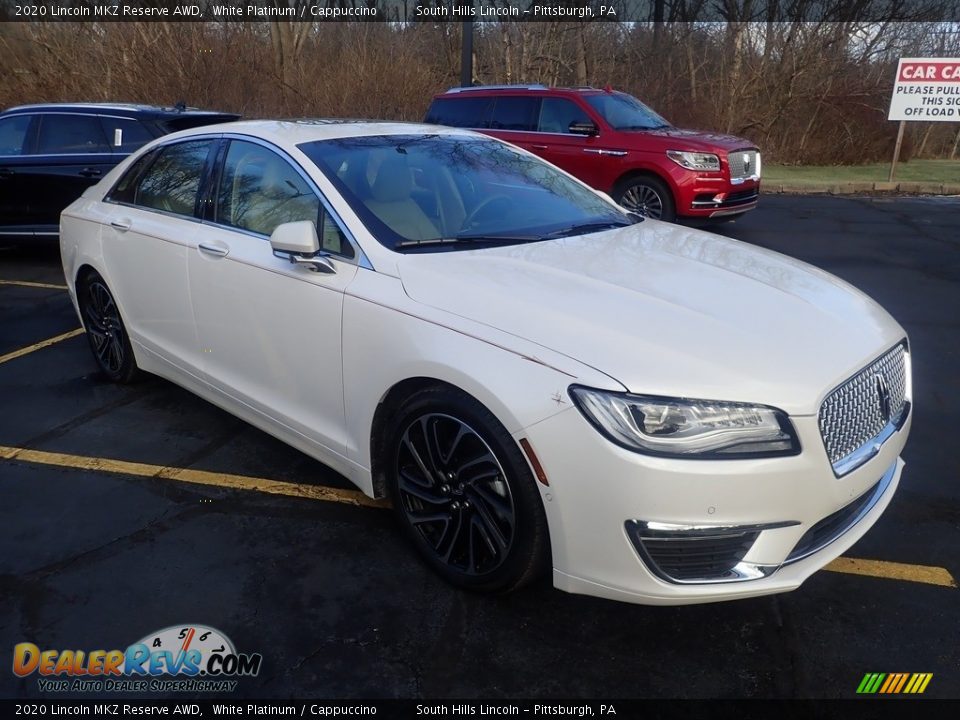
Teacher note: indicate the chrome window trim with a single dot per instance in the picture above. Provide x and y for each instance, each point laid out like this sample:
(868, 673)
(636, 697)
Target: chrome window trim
(165, 213)
(359, 257)
(66, 154)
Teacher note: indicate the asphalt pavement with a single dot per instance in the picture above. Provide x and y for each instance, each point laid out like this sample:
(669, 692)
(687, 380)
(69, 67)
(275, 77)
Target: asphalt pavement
(97, 556)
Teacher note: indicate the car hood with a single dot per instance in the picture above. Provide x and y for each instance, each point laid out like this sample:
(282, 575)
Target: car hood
(668, 310)
(698, 139)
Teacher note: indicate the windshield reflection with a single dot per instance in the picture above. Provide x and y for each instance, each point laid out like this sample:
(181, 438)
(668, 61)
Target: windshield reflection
(442, 192)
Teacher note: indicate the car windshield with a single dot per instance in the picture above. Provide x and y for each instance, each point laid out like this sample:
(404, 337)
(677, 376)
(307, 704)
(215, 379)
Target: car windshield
(625, 112)
(438, 192)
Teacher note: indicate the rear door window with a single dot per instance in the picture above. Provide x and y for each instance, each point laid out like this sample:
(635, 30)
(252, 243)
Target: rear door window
(516, 113)
(66, 134)
(172, 182)
(13, 134)
(461, 112)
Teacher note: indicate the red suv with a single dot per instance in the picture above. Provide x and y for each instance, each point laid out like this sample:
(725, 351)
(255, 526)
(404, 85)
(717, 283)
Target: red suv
(615, 143)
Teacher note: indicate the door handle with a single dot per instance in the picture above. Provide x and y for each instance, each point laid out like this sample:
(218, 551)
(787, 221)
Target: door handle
(539, 147)
(121, 225)
(215, 250)
(6, 172)
(91, 172)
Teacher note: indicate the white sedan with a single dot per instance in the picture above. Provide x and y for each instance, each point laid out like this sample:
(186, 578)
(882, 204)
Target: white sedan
(535, 377)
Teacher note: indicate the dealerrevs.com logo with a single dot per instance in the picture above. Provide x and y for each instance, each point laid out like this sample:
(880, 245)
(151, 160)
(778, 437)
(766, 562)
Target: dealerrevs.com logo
(180, 658)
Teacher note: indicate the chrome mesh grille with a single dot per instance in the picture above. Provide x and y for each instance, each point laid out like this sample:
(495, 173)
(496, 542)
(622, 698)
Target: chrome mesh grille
(743, 163)
(854, 413)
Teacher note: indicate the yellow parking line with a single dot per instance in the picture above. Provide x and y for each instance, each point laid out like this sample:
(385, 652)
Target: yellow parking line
(927, 574)
(39, 346)
(198, 477)
(24, 283)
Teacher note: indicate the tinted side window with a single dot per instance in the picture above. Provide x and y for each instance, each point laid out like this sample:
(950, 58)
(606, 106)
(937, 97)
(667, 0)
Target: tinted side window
(556, 114)
(461, 112)
(13, 133)
(260, 190)
(515, 113)
(172, 181)
(125, 134)
(70, 135)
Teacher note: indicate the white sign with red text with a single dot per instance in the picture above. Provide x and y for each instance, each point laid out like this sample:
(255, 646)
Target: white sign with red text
(926, 89)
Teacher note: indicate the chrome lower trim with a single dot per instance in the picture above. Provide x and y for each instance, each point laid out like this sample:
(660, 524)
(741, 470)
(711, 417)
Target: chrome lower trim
(742, 180)
(736, 210)
(878, 493)
(872, 446)
(740, 572)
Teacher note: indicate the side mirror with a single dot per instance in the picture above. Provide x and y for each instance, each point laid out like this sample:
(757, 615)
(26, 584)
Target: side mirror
(296, 237)
(583, 128)
(300, 239)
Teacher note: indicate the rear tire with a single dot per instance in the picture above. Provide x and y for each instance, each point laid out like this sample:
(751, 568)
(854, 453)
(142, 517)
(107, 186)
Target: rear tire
(105, 330)
(647, 196)
(464, 494)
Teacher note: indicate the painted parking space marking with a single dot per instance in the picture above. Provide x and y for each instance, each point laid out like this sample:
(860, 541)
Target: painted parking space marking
(24, 283)
(40, 345)
(926, 574)
(187, 475)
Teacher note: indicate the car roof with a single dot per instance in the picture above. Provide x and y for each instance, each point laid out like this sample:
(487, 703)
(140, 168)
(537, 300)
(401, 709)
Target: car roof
(481, 90)
(131, 109)
(297, 131)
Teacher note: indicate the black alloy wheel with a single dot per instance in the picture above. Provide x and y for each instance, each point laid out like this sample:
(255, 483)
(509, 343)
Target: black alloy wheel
(105, 330)
(470, 504)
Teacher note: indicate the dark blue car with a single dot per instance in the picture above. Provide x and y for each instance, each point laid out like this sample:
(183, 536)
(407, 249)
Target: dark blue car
(49, 154)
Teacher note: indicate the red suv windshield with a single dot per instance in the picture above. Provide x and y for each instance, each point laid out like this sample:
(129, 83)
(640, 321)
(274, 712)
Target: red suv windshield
(625, 112)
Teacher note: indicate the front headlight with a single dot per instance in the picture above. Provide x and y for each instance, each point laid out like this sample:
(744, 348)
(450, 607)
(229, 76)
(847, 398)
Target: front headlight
(680, 427)
(695, 160)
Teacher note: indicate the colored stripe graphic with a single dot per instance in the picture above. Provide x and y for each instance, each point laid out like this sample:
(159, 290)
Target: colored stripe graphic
(894, 683)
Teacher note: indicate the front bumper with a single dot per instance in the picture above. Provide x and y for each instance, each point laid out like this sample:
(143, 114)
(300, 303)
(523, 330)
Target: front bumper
(781, 519)
(734, 201)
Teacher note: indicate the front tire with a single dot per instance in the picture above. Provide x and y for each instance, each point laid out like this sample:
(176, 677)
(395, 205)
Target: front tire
(463, 492)
(647, 196)
(105, 330)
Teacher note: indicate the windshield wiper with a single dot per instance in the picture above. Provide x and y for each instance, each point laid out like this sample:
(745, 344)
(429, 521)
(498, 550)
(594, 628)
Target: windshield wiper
(469, 240)
(584, 228)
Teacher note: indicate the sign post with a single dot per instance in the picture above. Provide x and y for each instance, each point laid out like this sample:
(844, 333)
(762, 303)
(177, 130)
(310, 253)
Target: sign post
(926, 89)
(896, 150)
